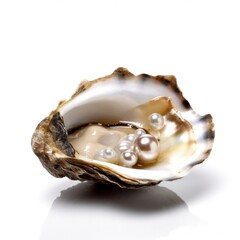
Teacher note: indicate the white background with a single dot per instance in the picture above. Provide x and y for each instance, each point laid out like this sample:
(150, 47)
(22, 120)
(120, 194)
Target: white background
(47, 47)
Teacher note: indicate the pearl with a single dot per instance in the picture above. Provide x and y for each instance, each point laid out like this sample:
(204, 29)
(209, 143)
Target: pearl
(128, 159)
(107, 155)
(101, 154)
(123, 146)
(147, 148)
(131, 137)
(139, 132)
(156, 121)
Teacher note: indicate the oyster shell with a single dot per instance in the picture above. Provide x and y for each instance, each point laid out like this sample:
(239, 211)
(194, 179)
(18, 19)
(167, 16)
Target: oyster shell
(100, 132)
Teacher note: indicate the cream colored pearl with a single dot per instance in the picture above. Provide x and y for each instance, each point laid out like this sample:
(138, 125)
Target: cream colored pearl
(128, 159)
(107, 155)
(139, 132)
(156, 121)
(147, 148)
(131, 137)
(123, 146)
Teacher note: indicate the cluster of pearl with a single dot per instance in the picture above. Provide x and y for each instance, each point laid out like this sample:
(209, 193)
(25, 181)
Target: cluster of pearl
(138, 146)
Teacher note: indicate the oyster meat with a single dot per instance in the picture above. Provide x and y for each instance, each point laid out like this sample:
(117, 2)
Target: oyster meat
(124, 129)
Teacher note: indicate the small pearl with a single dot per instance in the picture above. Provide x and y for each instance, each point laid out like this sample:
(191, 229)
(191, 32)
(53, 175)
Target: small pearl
(128, 159)
(123, 146)
(139, 132)
(131, 137)
(147, 148)
(156, 121)
(107, 155)
(101, 154)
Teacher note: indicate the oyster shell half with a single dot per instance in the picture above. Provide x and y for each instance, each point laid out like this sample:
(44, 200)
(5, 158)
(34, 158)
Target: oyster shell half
(124, 129)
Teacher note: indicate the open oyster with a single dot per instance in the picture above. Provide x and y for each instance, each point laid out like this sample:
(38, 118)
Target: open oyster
(123, 129)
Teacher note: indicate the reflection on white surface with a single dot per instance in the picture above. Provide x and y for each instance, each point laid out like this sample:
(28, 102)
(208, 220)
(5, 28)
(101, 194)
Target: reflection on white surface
(98, 211)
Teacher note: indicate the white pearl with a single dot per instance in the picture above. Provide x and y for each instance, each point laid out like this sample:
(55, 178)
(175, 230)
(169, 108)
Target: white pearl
(147, 148)
(107, 155)
(139, 132)
(131, 137)
(128, 159)
(156, 120)
(123, 146)
(101, 154)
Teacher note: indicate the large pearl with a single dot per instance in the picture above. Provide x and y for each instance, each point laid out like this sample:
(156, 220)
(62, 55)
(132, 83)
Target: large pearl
(156, 121)
(147, 148)
(128, 159)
